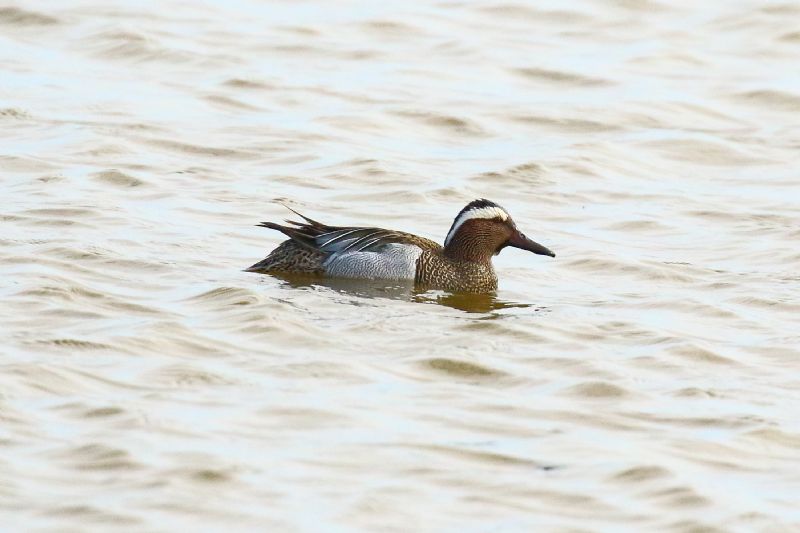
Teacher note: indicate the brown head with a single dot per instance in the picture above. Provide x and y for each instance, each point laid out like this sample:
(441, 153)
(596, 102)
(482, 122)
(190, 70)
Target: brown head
(482, 229)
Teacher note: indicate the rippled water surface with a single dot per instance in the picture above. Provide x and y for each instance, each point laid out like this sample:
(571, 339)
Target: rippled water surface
(645, 379)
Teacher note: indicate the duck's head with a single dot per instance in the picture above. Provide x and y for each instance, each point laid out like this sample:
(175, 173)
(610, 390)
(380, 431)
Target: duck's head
(482, 229)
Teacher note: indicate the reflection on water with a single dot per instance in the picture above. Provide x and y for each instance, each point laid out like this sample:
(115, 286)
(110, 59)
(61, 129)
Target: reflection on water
(469, 302)
(395, 290)
(399, 290)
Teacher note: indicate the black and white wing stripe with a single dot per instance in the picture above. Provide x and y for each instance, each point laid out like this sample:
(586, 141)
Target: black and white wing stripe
(356, 240)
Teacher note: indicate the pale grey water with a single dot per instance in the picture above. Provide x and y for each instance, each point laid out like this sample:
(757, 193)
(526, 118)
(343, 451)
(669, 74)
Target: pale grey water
(645, 379)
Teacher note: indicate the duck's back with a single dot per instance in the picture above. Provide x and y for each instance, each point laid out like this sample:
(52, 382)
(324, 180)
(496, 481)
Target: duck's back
(348, 252)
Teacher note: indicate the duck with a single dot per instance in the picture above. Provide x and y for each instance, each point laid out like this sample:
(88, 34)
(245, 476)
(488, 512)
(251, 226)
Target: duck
(481, 230)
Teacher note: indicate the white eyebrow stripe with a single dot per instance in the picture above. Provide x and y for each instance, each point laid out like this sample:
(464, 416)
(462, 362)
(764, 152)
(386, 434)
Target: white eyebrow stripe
(488, 212)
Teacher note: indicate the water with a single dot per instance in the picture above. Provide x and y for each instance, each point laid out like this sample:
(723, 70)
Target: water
(645, 379)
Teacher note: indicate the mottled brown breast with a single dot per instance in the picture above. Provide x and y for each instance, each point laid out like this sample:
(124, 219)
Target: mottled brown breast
(435, 271)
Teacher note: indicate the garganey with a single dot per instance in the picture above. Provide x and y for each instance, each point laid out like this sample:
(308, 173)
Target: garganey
(464, 264)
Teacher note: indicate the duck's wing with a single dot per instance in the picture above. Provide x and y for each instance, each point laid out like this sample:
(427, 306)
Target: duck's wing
(351, 240)
(330, 240)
